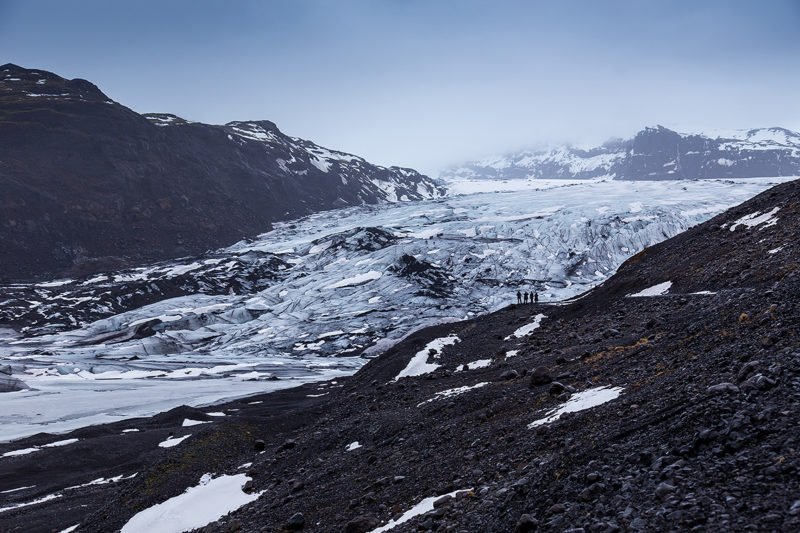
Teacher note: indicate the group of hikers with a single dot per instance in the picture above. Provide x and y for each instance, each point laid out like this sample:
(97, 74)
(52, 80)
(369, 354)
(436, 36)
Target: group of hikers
(525, 297)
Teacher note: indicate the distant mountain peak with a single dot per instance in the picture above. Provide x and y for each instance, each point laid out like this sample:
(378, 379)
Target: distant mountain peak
(654, 153)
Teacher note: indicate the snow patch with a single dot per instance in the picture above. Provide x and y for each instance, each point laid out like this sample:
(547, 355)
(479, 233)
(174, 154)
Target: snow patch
(453, 392)
(472, 365)
(655, 290)
(425, 506)
(353, 446)
(579, 402)
(419, 363)
(33, 502)
(527, 329)
(188, 422)
(756, 219)
(23, 451)
(202, 504)
(173, 441)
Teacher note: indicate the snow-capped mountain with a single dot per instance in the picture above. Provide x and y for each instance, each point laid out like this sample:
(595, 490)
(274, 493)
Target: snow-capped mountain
(89, 184)
(302, 302)
(653, 154)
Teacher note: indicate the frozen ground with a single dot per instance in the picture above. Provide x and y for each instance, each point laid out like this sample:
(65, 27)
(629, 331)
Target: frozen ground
(338, 282)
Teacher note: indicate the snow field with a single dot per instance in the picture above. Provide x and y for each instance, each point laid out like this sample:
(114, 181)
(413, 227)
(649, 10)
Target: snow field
(418, 365)
(655, 290)
(527, 329)
(202, 504)
(580, 401)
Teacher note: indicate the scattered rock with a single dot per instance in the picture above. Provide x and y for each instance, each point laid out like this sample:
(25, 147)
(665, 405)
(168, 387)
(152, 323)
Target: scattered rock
(663, 490)
(539, 376)
(722, 387)
(526, 523)
(296, 522)
(361, 524)
(444, 500)
(794, 510)
(509, 375)
(758, 382)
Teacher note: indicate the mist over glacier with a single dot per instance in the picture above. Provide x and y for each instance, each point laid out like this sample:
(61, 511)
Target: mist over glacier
(317, 296)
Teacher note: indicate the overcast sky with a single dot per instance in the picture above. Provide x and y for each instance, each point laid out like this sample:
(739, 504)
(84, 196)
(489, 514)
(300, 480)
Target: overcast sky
(425, 83)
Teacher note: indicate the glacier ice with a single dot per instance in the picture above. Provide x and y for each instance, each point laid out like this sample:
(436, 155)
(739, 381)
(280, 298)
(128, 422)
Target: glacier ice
(314, 297)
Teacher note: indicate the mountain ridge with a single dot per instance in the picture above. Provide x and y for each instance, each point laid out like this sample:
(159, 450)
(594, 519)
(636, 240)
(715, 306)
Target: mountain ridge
(90, 184)
(654, 153)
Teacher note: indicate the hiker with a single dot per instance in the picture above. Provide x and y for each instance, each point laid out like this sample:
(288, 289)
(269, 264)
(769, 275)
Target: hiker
(525, 297)
(536, 297)
(519, 297)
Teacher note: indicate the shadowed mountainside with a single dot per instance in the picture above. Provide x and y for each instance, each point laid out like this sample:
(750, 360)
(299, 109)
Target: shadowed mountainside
(90, 185)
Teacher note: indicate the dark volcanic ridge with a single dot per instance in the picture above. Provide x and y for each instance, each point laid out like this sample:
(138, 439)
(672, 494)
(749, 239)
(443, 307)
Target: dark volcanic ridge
(684, 414)
(89, 185)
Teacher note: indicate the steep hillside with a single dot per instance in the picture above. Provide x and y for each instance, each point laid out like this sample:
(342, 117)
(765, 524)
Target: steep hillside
(666, 399)
(89, 184)
(653, 154)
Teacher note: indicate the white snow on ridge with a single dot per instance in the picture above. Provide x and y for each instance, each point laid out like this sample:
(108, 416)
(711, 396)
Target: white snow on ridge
(418, 365)
(579, 402)
(26, 451)
(17, 489)
(59, 443)
(22, 451)
(527, 329)
(173, 441)
(425, 506)
(756, 219)
(473, 365)
(322, 164)
(655, 290)
(34, 502)
(188, 422)
(202, 504)
(453, 392)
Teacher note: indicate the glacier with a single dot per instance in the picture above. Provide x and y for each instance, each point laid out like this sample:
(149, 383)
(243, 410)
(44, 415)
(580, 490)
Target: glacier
(316, 297)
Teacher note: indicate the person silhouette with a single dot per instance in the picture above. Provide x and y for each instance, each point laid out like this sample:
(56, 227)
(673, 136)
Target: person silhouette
(536, 297)
(525, 297)
(519, 297)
